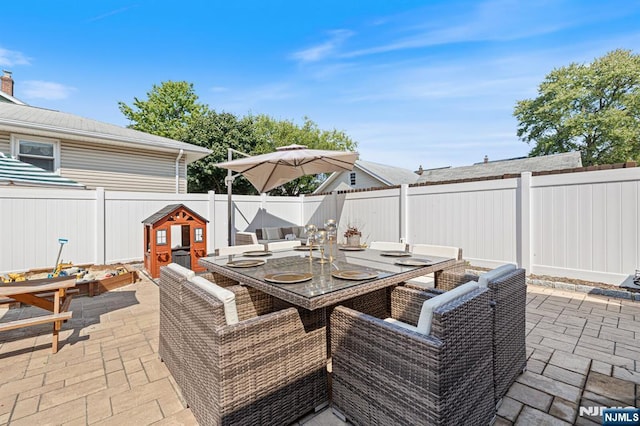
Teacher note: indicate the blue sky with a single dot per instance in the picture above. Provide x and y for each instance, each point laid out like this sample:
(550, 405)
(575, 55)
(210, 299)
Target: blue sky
(430, 83)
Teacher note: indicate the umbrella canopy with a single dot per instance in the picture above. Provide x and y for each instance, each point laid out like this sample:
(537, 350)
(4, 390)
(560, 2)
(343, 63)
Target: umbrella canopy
(268, 171)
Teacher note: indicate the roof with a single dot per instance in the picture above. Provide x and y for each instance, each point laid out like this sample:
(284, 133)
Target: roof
(568, 160)
(46, 122)
(5, 97)
(167, 210)
(15, 172)
(388, 175)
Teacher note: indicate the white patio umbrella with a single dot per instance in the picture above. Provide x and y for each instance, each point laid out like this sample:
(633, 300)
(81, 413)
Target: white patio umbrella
(268, 171)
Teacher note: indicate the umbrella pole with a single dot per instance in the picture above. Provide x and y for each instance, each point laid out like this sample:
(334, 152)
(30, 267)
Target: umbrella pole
(229, 181)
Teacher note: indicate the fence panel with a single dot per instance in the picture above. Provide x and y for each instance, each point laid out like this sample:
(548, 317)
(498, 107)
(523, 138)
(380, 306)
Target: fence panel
(33, 220)
(585, 225)
(480, 217)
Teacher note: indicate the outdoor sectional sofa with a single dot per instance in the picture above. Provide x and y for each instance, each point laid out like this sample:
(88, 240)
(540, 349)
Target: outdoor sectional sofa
(270, 235)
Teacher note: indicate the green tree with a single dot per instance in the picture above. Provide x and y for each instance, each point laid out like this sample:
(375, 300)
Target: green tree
(169, 110)
(593, 108)
(219, 131)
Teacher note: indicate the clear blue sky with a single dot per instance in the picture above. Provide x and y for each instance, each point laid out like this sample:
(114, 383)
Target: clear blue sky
(414, 82)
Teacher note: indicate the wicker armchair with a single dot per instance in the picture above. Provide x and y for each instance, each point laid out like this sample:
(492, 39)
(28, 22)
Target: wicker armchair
(263, 369)
(385, 373)
(170, 348)
(508, 294)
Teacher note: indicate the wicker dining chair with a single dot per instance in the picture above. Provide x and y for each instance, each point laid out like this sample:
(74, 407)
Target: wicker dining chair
(393, 372)
(170, 348)
(248, 366)
(508, 294)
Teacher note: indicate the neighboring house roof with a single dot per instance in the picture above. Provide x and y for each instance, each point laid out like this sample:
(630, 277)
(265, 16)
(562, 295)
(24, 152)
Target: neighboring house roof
(45, 122)
(387, 175)
(569, 160)
(168, 209)
(15, 172)
(5, 97)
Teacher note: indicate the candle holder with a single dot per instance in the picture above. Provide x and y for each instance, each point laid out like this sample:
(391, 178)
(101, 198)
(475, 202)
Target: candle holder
(311, 230)
(321, 239)
(332, 234)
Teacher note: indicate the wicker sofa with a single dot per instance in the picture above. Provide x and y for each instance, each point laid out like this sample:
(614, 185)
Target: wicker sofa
(392, 371)
(508, 294)
(235, 358)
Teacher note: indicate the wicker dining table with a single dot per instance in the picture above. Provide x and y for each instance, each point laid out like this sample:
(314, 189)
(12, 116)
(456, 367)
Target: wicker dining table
(348, 275)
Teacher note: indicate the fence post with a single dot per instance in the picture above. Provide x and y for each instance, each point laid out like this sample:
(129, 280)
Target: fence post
(101, 235)
(404, 213)
(523, 207)
(211, 226)
(301, 220)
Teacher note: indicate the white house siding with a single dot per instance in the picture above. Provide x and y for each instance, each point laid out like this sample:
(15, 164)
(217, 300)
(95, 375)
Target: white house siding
(363, 180)
(119, 168)
(5, 143)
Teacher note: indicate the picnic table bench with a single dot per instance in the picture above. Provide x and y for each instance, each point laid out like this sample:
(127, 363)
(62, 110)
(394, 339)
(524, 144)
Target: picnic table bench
(38, 293)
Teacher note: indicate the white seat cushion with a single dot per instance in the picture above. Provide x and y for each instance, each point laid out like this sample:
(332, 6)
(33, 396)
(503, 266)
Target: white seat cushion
(431, 250)
(387, 245)
(228, 298)
(225, 251)
(495, 273)
(402, 324)
(181, 270)
(283, 245)
(426, 314)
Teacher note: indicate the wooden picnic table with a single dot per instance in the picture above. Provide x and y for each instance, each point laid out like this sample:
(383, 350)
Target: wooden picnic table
(38, 293)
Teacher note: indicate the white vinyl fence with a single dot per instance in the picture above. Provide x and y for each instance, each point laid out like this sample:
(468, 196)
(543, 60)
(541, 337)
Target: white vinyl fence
(578, 225)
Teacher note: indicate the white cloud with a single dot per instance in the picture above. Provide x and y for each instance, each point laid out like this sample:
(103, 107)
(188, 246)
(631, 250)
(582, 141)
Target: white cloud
(323, 50)
(38, 89)
(9, 58)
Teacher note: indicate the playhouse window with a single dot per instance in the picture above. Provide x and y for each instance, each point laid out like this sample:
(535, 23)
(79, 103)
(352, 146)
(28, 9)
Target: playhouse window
(161, 237)
(198, 235)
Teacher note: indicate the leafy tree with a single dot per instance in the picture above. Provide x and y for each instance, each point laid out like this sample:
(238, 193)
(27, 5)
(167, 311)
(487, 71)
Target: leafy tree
(172, 110)
(593, 108)
(169, 110)
(219, 131)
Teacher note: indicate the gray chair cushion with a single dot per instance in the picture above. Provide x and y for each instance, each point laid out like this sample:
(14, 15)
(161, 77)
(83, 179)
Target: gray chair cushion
(272, 234)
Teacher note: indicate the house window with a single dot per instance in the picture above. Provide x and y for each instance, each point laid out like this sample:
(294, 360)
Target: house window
(43, 153)
(197, 235)
(352, 178)
(161, 237)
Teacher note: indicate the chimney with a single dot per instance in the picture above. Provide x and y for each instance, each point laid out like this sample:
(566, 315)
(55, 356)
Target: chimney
(486, 159)
(7, 83)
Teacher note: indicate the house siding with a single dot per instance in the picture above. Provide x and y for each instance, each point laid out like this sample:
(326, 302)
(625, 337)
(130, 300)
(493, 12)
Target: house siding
(5, 143)
(120, 168)
(363, 180)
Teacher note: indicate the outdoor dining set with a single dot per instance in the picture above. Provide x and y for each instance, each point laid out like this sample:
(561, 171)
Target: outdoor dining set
(268, 336)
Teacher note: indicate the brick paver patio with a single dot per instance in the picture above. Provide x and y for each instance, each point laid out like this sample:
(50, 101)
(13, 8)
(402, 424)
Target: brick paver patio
(582, 351)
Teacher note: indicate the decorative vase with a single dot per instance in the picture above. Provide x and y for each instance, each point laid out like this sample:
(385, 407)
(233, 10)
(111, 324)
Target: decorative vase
(353, 241)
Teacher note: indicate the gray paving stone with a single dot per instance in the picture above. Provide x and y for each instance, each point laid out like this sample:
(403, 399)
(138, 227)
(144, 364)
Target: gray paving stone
(531, 416)
(530, 396)
(565, 376)
(610, 387)
(563, 409)
(568, 361)
(550, 386)
(509, 408)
